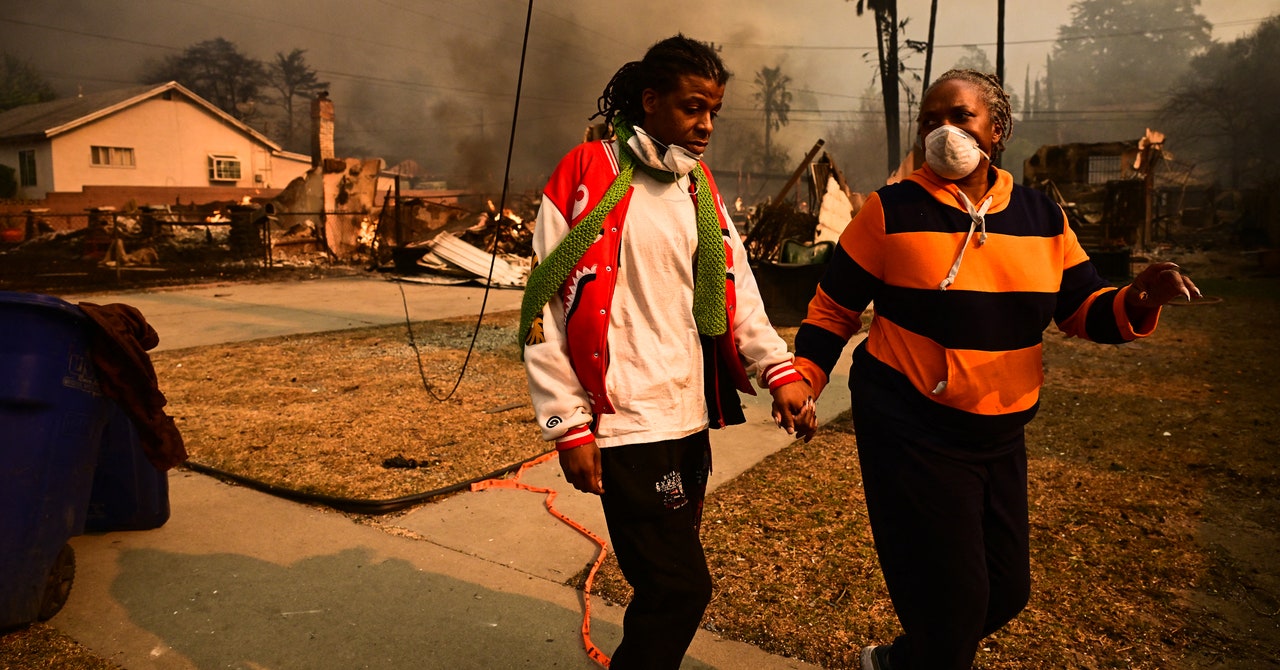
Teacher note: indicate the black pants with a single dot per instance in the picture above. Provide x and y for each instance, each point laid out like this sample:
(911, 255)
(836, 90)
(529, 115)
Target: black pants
(950, 527)
(652, 500)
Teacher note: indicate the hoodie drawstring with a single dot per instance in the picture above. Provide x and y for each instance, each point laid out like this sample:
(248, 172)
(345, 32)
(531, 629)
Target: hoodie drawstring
(977, 219)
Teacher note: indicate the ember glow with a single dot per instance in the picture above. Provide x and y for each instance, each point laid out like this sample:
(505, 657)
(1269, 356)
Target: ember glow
(367, 232)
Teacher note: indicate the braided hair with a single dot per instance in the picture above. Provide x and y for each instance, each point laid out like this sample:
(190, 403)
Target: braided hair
(663, 65)
(993, 94)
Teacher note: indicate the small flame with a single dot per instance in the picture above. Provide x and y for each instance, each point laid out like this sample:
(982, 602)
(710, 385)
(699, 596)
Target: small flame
(511, 216)
(217, 217)
(246, 200)
(365, 236)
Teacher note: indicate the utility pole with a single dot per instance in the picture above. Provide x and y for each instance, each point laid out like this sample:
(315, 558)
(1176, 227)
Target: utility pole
(1000, 51)
(928, 54)
(1000, 41)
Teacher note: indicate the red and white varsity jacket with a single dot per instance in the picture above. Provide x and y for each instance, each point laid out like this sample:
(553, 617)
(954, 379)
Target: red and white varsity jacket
(567, 355)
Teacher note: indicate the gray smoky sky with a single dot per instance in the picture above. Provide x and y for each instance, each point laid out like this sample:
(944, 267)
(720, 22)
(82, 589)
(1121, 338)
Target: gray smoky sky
(435, 80)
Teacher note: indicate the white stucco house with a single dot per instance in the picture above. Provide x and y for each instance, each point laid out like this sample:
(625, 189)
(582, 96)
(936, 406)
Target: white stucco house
(152, 135)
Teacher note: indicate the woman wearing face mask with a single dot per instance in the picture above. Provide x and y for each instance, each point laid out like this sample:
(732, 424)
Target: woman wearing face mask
(966, 270)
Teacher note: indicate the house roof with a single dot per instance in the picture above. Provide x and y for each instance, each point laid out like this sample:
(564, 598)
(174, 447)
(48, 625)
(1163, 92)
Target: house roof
(46, 119)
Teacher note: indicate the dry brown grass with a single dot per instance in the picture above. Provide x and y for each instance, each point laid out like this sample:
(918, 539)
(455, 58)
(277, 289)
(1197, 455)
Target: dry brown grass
(322, 413)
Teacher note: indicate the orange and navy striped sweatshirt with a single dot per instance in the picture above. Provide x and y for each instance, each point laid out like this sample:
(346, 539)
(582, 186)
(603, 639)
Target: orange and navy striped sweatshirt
(967, 357)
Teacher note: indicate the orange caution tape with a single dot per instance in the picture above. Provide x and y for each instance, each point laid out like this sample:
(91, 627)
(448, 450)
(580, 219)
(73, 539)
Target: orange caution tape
(514, 483)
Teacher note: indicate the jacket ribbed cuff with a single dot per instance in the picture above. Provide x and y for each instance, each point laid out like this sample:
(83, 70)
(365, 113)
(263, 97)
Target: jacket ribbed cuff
(781, 375)
(576, 437)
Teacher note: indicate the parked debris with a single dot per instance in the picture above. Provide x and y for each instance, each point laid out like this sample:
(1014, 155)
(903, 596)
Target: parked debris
(1109, 190)
(507, 272)
(790, 246)
(776, 222)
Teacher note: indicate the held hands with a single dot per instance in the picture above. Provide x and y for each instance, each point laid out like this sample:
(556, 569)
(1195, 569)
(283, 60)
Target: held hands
(1159, 284)
(581, 467)
(794, 411)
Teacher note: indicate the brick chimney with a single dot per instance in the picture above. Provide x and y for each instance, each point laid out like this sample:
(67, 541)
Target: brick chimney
(321, 129)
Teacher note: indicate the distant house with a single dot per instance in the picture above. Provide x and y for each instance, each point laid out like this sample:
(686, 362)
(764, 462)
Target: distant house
(145, 136)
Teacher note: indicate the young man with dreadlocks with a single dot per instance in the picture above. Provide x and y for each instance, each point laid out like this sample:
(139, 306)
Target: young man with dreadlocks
(951, 369)
(635, 324)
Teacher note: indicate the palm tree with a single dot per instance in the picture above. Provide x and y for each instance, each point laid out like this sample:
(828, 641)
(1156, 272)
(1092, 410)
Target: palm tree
(772, 93)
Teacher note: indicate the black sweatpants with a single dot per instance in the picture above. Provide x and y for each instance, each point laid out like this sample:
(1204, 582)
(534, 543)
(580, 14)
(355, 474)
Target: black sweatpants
(653, 495)
(950, 528)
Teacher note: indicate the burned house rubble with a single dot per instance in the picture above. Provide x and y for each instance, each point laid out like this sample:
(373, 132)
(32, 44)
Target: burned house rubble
(358, 212)
(1128, 199)
(1123, 199)
(1106, 188)
(790, 236)
(343, 211)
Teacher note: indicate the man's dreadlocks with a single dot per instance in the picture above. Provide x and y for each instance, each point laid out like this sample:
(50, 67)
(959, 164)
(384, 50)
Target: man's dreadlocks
(663, 65)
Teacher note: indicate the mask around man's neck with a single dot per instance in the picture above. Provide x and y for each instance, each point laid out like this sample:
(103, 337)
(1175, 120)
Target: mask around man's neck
(655, 154)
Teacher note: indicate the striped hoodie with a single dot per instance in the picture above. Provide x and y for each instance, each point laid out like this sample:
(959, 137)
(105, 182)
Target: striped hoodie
(962, 295)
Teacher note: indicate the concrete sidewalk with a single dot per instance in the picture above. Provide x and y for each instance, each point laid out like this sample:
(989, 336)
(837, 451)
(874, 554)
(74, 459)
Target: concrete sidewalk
(232, 312)
(241, 579)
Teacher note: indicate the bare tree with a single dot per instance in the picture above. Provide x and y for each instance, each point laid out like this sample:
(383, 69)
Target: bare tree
(292, 78)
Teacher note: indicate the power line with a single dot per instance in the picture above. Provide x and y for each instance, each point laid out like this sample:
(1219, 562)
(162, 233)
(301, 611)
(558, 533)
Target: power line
(414, 85)
(54, 74)
(1135, 33)
(88, 34)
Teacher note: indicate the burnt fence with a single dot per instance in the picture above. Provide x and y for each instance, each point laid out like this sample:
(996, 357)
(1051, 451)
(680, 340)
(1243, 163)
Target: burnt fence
(240, 233)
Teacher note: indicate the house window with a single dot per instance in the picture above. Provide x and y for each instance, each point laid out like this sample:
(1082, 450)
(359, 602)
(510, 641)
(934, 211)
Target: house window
(224, 168)
(27, 167)
(111, 156)
(1103, 169)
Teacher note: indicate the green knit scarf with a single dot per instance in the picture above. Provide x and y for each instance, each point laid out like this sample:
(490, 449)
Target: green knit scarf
(709, 311)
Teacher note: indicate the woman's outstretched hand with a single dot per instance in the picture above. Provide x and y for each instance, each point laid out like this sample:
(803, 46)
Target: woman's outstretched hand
(1159, 284)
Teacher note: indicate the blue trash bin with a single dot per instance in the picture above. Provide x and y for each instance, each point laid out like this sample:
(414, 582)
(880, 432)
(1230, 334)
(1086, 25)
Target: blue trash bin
(52, 415)
(129, 493)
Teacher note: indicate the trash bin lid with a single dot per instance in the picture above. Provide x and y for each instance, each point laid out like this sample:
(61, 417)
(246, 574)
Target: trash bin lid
(41, 301)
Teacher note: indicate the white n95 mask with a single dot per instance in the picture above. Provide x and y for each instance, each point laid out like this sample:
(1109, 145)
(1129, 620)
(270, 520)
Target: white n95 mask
(680, 160)
(659, 156)
(952, 153)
